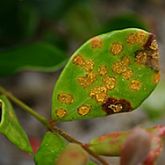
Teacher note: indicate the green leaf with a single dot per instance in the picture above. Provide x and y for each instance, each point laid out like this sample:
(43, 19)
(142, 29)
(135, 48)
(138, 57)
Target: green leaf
(52, 146)
(55, 150)
(113, 144)
(36, 56)
(110, 73)
(10, 126)
(154, 105)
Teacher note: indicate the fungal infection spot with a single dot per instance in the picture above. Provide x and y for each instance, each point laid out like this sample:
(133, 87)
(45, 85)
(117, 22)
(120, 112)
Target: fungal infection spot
(88, 65)
(116, 108)
(141, 57)
(99, 93)
(116, 48)
(137, 38)
(154, 45)
(65, 98)
(113, 105)
(109, 82)
(127, 74)
(96, 42)
(156, 78)
(149, 58)
(102, 70)
(87, 80)
(135, 85)
(78, 60)
(83, 110)
(121, 66)
(61, 113)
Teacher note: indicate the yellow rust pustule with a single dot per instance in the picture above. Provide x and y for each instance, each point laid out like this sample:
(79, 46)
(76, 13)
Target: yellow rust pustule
(135, 85)
(65, 98)
(61, 113)
(78, 60)
(121, 66)
(116, 48)
(109, 82)
(88, 65)
(99, 94)
(96, 42)
(103, 70)
(87, 80)
(156, 78)
(84, 110)
(137, 38)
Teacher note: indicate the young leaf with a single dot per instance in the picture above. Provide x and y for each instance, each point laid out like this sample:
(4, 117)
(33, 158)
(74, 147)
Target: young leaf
(36, 56)
(110, 73)
(122, 143)
(51, 148)
(55, 150)
(10, 126)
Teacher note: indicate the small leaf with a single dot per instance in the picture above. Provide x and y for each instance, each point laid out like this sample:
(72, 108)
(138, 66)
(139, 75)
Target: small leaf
(36, 56)
(51, 148)
(124, 143)
(110, 73)
(74, 154)
(10, 126)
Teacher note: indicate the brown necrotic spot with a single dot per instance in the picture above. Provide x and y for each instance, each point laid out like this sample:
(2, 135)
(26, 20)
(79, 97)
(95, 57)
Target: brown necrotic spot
(149, 41)
(149, 56)
(113, 105)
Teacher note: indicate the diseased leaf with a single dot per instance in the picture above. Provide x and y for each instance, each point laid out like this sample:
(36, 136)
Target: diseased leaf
(10, 126)
(110, 73)
(36, 56)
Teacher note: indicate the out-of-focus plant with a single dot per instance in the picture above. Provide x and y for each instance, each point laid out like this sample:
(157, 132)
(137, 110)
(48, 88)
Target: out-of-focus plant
(111, 73)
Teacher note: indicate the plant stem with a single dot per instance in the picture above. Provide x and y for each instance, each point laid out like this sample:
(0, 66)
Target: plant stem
(73, 140)
(46, 123)
(25, 107)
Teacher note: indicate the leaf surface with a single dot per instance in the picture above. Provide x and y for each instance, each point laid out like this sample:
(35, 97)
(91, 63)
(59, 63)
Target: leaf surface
(110, 73)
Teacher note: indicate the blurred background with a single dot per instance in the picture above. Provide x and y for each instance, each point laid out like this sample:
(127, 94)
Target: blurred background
(65, 25)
